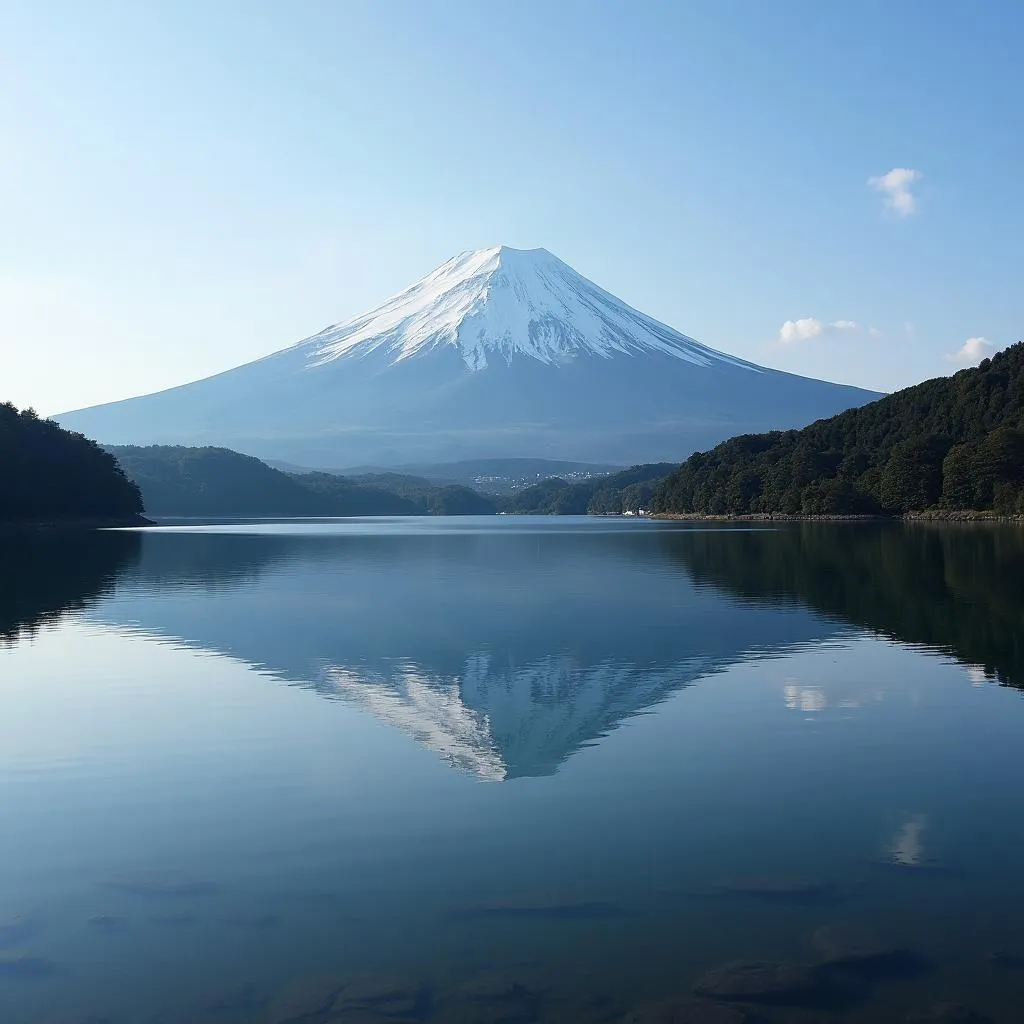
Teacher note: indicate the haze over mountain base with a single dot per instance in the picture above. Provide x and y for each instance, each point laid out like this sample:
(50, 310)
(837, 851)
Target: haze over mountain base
(498, 353)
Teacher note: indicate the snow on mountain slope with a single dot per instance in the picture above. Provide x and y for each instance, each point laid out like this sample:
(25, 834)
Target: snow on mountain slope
(499, 353)
(507, 302)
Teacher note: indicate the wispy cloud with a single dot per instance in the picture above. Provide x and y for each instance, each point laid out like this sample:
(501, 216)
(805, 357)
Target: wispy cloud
(809, 327)
(895, 188)
(972, 351)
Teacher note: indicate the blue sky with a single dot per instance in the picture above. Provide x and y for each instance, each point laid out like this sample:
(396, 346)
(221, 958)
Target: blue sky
(187, 186)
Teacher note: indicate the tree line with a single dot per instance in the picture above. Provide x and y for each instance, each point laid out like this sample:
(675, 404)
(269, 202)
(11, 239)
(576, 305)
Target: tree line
(627, 491)
(950, 443)
(48, 474)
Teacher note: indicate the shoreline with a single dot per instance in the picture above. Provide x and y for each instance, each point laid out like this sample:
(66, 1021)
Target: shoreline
(932, 516)
(76, 524)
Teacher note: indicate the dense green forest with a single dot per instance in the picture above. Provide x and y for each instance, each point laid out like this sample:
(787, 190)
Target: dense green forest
(959, 588)
(397, 494)
(177, 481)
(53, 475)
(628, 490)
(954, 442)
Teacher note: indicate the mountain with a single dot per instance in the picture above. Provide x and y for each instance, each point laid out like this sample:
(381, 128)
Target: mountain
(177, 481)
(497, 353)
(954, 442)
(55, 476)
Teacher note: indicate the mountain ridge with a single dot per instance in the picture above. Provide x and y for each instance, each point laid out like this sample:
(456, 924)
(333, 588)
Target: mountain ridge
(498, 353)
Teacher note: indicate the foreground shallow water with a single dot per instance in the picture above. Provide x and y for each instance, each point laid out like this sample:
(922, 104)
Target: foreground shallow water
(511, 770)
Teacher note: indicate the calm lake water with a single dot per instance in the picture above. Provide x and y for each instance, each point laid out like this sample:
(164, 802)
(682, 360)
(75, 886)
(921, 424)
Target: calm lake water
(511, 769)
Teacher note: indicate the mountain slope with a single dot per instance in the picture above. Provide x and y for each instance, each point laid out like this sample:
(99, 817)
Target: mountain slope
(498, 353)
(954, 441)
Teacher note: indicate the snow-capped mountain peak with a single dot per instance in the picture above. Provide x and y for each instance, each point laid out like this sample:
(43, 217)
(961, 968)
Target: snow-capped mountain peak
(499, 353)
(502, 303)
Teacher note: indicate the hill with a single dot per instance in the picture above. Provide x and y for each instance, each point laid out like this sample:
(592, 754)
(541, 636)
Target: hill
(397, 494)
(492, 476)
(628, 490)
(179, 481)
(497, 353)
(48, 474)
(953, 442)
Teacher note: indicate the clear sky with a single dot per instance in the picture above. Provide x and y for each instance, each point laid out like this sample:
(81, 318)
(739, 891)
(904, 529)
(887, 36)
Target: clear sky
(186, 186)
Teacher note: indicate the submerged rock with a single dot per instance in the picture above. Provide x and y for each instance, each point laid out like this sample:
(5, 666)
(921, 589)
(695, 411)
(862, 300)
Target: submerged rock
(948, 1013)
(686, 1011)
(459, 1011)
(1006, 960)
(18, 964)
(247, 996)
(858, 950)
(73, 1017)
(781, 888)
(160, 883)
(493, 986)
(490, 998)
(17, 928)
(182, 920)
(380, 995)
(307, 1000)
(761, 981)
(254, 921)
(108, 924)
(554, 909)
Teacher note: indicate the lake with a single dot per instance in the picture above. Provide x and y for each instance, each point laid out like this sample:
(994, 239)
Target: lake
(512, 769)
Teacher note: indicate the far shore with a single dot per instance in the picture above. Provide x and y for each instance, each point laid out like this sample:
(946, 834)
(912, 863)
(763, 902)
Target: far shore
(930, 516)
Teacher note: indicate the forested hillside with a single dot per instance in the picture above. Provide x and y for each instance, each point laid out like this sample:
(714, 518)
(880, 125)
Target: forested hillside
(954, 442)
(397, 494)
(629, 490)
(50, 474)
(178, 481)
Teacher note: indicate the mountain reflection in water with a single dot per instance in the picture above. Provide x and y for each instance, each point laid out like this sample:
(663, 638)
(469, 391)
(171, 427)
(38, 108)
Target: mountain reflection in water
(546, 663)
(498, 653)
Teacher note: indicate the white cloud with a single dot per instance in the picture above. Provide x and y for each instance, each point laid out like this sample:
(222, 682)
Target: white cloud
(895, 187)
(800, 330)
(972, 351)
(809, 327)
(874, 332)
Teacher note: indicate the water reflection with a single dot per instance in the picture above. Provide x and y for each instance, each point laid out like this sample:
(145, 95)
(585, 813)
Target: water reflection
(907, 848)
(503, 653)
(957, 588)
(495, 648)
(47, 573)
